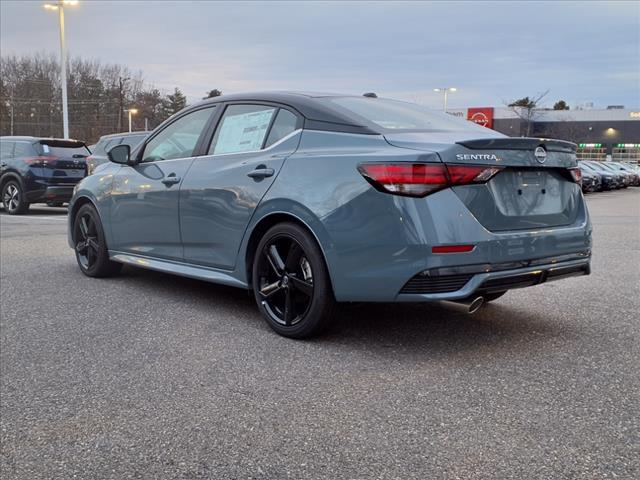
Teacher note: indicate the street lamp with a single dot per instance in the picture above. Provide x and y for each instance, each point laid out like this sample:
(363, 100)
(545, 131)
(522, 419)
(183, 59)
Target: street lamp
(446, 90)
(132, 111)
(59, 6)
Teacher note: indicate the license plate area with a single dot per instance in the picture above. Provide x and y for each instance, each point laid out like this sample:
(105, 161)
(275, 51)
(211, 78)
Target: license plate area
(523, 198)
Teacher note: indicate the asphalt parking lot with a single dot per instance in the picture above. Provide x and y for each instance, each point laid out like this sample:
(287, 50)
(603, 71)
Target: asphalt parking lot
(152, 376)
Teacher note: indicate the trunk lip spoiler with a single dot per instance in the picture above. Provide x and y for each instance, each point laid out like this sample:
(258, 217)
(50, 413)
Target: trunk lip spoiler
(526, 143)
(62, 143)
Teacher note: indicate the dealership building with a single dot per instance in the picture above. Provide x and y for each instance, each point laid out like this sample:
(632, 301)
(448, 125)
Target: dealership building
(601, 134)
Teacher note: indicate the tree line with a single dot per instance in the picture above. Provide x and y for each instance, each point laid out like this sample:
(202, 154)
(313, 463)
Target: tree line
(98, 98)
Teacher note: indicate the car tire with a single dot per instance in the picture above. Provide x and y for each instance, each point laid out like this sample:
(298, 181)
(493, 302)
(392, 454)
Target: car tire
(291, 282)
(90, 244)
(490, 297)
(13, 198)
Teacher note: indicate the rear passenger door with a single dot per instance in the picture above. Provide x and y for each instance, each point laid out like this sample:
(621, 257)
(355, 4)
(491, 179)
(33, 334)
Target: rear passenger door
(223, 188)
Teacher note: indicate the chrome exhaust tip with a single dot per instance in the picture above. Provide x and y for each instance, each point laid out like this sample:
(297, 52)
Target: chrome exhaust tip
(468, 305)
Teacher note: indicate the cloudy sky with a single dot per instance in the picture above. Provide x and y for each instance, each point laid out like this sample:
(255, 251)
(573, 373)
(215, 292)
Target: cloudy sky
(582, 51)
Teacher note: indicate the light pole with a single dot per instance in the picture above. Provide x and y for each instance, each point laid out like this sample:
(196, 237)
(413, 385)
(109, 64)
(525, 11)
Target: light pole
(132, 111)
(446, 91)
(59, 6)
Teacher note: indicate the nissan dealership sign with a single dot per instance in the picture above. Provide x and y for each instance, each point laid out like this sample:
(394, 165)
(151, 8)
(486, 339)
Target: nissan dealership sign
(481, 115)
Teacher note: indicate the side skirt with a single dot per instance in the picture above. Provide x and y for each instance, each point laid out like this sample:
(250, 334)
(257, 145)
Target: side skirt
(177, 268)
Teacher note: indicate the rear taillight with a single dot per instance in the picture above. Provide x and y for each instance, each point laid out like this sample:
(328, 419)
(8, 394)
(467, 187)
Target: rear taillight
(421, 179)
(576, 174)
(38, 161)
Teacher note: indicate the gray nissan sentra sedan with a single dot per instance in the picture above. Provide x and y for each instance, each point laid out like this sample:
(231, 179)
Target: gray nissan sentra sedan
(313, 199)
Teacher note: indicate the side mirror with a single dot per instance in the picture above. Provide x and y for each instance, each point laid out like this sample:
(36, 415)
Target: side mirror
(120, 154)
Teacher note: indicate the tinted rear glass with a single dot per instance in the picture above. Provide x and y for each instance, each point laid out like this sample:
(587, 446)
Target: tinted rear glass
(24, 149)
(394, 115)
(64, 152)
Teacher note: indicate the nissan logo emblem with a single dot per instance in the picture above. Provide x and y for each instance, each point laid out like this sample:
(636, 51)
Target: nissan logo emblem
(540, 154)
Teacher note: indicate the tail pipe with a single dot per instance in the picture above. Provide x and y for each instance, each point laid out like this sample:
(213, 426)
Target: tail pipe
(468, 305)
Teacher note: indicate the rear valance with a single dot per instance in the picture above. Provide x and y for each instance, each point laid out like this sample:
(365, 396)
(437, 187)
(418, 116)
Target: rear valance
(519, 144)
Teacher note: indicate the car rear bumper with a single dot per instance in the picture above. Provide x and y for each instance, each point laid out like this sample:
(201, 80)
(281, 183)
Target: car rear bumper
(401, 234)
(58, 193)
(491, 282)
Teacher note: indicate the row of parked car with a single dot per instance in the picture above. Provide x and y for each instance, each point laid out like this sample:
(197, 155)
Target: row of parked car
(599, 176)
(45, 170)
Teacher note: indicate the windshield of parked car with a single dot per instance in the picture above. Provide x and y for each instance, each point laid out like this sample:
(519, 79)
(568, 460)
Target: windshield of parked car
(596, 167)
(394, 115)
(609, 167)
(133, 140)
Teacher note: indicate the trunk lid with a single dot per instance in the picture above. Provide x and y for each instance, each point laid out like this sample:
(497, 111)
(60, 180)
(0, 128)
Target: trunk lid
(534, 188)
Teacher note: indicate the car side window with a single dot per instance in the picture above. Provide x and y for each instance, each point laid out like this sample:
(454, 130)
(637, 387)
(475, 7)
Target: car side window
(23, 149)
(242, 129)
(6, 150)
(179, 139)
(283, 125)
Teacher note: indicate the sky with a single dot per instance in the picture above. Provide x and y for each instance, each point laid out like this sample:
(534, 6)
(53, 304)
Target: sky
(492, 52)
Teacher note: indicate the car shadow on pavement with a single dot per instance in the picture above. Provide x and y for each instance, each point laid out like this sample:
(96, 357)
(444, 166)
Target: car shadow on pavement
(382, 327)
(416, 326)
(41, 210)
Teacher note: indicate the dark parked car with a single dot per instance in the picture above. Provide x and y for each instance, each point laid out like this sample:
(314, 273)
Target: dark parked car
(591, 181)
(625, 176)
(99, 151)
(634, 176)
(39, 170)
(610, 180)
(309, 199)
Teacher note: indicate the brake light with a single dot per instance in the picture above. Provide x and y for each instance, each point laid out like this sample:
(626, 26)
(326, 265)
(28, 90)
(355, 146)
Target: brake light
(576, 174)
(452, 248)
(38, 161)
(421, 179)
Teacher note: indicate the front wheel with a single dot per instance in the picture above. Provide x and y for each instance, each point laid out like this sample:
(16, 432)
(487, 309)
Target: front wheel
(291, 283)
(90, 245)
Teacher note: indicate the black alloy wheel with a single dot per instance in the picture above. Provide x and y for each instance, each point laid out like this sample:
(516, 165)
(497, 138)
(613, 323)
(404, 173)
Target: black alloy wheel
(291, 283)
(90, 245)
(87, 242)
(13, 198)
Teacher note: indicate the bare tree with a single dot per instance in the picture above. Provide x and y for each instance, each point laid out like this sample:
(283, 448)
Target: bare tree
(98, 94)
(527, 109)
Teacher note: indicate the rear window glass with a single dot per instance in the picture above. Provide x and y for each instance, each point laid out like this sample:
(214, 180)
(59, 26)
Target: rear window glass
(24, 149)
(394, 115)
(283, 125)
(64, 152)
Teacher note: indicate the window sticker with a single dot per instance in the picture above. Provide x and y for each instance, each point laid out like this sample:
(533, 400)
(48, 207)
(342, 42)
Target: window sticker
(243, 132)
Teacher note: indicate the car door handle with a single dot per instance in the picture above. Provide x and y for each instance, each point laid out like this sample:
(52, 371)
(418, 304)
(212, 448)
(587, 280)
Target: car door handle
(261, 173)
(171, 180)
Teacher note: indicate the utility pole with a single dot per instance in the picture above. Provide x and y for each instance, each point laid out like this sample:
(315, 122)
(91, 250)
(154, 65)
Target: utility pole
(59, 6)
(446, 91)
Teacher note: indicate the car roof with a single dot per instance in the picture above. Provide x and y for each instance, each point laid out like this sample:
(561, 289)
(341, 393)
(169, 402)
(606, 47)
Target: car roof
(307, 104)
(125, 134)
(37, 139)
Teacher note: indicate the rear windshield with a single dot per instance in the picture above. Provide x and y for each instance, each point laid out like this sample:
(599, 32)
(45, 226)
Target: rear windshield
(65, 152)
(394, 115)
